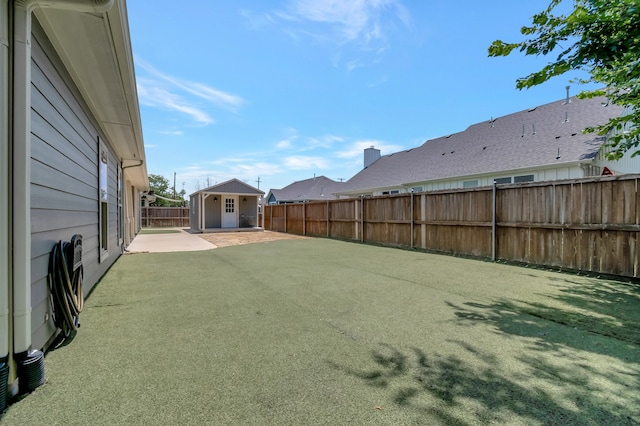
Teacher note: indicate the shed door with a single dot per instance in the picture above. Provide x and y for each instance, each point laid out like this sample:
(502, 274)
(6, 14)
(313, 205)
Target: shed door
(229, 212)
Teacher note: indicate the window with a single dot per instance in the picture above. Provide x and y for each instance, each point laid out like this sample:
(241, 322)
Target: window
(120, 209)
(524, 178)
(503, 180)
(230, 206)
(469, 183)
(417, 189)
(103, 173)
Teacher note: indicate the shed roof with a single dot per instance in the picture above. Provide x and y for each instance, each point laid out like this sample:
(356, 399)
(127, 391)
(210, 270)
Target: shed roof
(232, 186)
(544, 136)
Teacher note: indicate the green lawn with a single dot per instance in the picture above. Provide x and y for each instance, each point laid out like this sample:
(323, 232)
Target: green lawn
(325, 332)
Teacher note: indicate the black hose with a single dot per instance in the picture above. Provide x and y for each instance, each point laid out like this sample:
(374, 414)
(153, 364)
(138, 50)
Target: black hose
(65, 287)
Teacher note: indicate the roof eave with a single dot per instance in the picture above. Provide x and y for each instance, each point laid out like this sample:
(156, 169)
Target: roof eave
(105, 78)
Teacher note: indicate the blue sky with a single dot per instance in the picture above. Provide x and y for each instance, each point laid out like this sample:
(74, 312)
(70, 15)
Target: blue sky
(283, 90)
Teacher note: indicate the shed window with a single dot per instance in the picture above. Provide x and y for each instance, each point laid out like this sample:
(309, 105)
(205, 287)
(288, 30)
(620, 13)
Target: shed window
(469, 183)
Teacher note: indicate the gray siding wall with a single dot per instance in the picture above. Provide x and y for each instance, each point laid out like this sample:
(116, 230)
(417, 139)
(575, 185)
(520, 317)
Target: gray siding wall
(64, 180)
(194, 208)
(212, 212)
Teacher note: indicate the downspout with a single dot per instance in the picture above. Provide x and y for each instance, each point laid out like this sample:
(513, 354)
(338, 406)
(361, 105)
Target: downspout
(21, 171)
(4, 201)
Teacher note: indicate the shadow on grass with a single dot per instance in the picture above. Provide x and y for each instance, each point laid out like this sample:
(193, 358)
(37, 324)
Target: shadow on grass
(454, 391)
(581, 363)
(583, 315)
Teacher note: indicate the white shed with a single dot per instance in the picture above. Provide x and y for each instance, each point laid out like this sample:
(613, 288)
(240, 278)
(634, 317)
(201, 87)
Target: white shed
(228, 205)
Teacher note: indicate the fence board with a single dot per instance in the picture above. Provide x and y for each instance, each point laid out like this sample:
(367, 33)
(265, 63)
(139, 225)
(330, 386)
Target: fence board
(161, 217)
(587, 224)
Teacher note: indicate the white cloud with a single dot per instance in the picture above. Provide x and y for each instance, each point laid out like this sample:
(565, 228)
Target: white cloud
(214, 96)
(157, 97)
(357, 21)
(358, 30)
(299, 162)
(325, 142)
(172, 132)
(284, 144)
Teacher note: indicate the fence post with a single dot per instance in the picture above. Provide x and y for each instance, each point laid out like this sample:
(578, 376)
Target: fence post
(270, 218)
(304, 218)
(411, 217)
(362, 218)
(493, 224)
(285, 218)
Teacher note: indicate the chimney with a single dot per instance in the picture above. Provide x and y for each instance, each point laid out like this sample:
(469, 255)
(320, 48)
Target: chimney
(371, 155)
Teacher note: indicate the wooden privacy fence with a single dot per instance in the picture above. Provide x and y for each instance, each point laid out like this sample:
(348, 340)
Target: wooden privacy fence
(588, 224)
(161, 217)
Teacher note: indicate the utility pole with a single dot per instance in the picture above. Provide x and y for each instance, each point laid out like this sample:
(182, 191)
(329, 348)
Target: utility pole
(258, 182)
(174, 185)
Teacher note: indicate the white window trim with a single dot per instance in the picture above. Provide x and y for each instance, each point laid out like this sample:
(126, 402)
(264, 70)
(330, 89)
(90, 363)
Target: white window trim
(103, 200)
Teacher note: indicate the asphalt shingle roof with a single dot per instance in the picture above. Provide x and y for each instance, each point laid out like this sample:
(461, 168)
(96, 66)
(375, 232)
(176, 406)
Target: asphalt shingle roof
(316, 188)
(543, 136)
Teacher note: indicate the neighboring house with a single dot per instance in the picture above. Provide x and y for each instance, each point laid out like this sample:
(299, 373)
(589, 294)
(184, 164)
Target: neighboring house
(540, 144)
(231, 204)
(71, 156)
(314, 189)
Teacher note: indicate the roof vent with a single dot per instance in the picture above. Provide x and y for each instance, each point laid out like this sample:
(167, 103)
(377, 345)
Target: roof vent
(567, 100)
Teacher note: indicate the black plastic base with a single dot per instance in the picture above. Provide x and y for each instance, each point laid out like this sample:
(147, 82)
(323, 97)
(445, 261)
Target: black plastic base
(4, 378)
(30, 371)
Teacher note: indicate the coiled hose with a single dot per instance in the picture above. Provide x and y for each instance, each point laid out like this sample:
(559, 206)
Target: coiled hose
(65, 287)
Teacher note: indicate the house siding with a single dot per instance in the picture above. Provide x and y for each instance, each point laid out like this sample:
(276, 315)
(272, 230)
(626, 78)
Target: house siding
(64, 181)
(557, 173)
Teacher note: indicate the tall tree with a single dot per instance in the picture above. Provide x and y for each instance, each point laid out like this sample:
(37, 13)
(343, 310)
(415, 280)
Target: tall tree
(160, 186)
(601, 37)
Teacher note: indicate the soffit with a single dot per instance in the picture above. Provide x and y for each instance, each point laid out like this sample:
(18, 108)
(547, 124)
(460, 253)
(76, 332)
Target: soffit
(96, 51)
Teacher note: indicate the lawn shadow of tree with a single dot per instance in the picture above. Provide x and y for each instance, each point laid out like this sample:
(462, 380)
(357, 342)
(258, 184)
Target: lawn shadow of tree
(581, 363)
(452, 390)
(582, 315)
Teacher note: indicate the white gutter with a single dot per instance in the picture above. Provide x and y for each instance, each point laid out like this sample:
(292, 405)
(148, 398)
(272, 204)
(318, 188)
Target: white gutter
(21, 169)
(4, 178)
